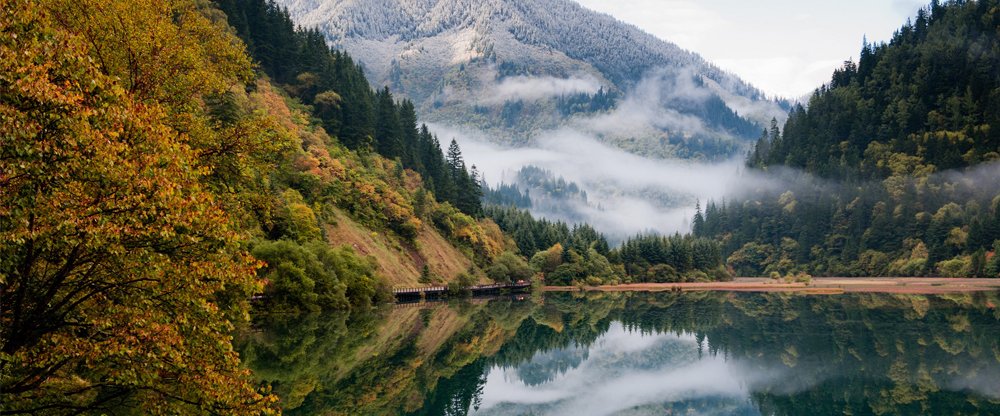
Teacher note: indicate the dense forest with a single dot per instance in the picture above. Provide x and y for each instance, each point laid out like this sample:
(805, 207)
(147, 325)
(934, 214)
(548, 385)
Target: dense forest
(155, 180)
(579, 254)
(169, 168)
(264, 26)
(339, 93)
(893, 163)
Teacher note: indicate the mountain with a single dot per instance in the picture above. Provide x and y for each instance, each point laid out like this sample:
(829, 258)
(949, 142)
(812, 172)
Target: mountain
(400, 172)
(518, 68)
(905, 146)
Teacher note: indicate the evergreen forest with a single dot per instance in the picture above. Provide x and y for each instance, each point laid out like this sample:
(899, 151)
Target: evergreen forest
(892, 167)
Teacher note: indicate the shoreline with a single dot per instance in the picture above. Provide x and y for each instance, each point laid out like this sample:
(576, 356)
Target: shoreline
(818, 286)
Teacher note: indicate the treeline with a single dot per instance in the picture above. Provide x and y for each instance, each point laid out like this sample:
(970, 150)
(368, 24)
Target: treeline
(929, 97)
(542, 191)
(585, 103)
(675, 258)
(865, 231)
(910, 133)
(336, 88)
(506, 195)
(552, 187)
(714, 111)
(567, 255)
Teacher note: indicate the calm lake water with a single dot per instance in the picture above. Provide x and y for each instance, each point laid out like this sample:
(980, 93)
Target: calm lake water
(641, 354)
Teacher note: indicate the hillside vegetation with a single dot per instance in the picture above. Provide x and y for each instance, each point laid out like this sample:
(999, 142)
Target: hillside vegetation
(169, 168)
(153, 182)
(896, 159)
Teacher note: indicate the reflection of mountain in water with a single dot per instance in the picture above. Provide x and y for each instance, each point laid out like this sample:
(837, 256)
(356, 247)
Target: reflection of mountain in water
(622, 372)
(637, 354)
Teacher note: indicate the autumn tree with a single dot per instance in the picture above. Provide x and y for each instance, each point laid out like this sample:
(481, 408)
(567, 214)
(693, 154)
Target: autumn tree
(120, 274)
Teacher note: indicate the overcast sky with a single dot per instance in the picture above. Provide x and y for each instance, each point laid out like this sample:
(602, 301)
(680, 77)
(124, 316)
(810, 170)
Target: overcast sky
(784, 47)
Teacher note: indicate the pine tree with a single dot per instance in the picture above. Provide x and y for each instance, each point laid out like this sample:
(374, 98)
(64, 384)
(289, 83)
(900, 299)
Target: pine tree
(454, 158)
(410, 138)
(388, 134)
(475, 193)
(698, 226)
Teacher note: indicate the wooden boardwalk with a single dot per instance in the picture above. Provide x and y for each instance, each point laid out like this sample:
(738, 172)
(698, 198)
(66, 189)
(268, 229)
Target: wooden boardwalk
(442, 291)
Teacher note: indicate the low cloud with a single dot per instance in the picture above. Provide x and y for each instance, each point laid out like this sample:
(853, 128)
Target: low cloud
(536, 88)
(627, 193)
(646, 110)
(960, 185)
(760, 111)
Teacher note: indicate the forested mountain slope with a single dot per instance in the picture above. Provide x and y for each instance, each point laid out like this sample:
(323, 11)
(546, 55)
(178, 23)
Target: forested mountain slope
(517, 68)
(907, 145)
(376, 122)
(930, 95)
(153, 184)
(168, 168)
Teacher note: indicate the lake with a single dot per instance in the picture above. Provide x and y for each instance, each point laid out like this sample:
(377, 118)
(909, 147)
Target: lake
(707, 353)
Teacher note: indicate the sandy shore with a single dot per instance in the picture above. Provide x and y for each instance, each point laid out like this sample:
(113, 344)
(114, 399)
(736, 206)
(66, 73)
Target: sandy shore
(820, 286)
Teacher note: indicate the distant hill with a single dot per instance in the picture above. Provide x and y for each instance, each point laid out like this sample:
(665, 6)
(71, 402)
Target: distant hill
(906, 143)
(516, 68)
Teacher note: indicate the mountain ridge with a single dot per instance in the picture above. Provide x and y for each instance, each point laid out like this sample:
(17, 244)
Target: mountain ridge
(451, 57)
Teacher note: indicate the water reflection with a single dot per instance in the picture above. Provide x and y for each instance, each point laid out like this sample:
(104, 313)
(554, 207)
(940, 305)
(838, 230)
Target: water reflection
(622, 370)
(642, 354)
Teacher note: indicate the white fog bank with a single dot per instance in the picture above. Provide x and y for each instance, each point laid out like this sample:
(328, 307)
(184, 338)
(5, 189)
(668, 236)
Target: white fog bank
(627, 194)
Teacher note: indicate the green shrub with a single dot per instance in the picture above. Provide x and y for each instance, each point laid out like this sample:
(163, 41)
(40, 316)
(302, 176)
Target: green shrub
(696, 276)
(296, 279)
(547, 261)
(314, 277)
(720, 274)
(956, 267)
(566, 274)
(662, 273)
(509, 267)
(460, 286)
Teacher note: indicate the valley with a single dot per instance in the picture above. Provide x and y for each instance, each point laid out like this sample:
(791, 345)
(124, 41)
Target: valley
(494, 207)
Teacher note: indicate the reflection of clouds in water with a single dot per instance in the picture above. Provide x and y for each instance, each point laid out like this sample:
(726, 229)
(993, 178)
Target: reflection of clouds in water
(599, 386)
(619, 340)
(642, 373)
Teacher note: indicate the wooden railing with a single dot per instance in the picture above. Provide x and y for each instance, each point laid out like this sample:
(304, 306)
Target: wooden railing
(434, 290)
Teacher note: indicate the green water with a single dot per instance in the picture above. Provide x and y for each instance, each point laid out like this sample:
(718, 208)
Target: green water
(641, 354)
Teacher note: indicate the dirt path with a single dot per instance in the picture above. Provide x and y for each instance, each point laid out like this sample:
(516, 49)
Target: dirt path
(819, 286)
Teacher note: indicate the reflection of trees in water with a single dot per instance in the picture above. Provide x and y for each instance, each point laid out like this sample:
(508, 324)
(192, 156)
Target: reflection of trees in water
(383, 362)
(544, 367)
(290, 353)
(455, 395)
(863, 354)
